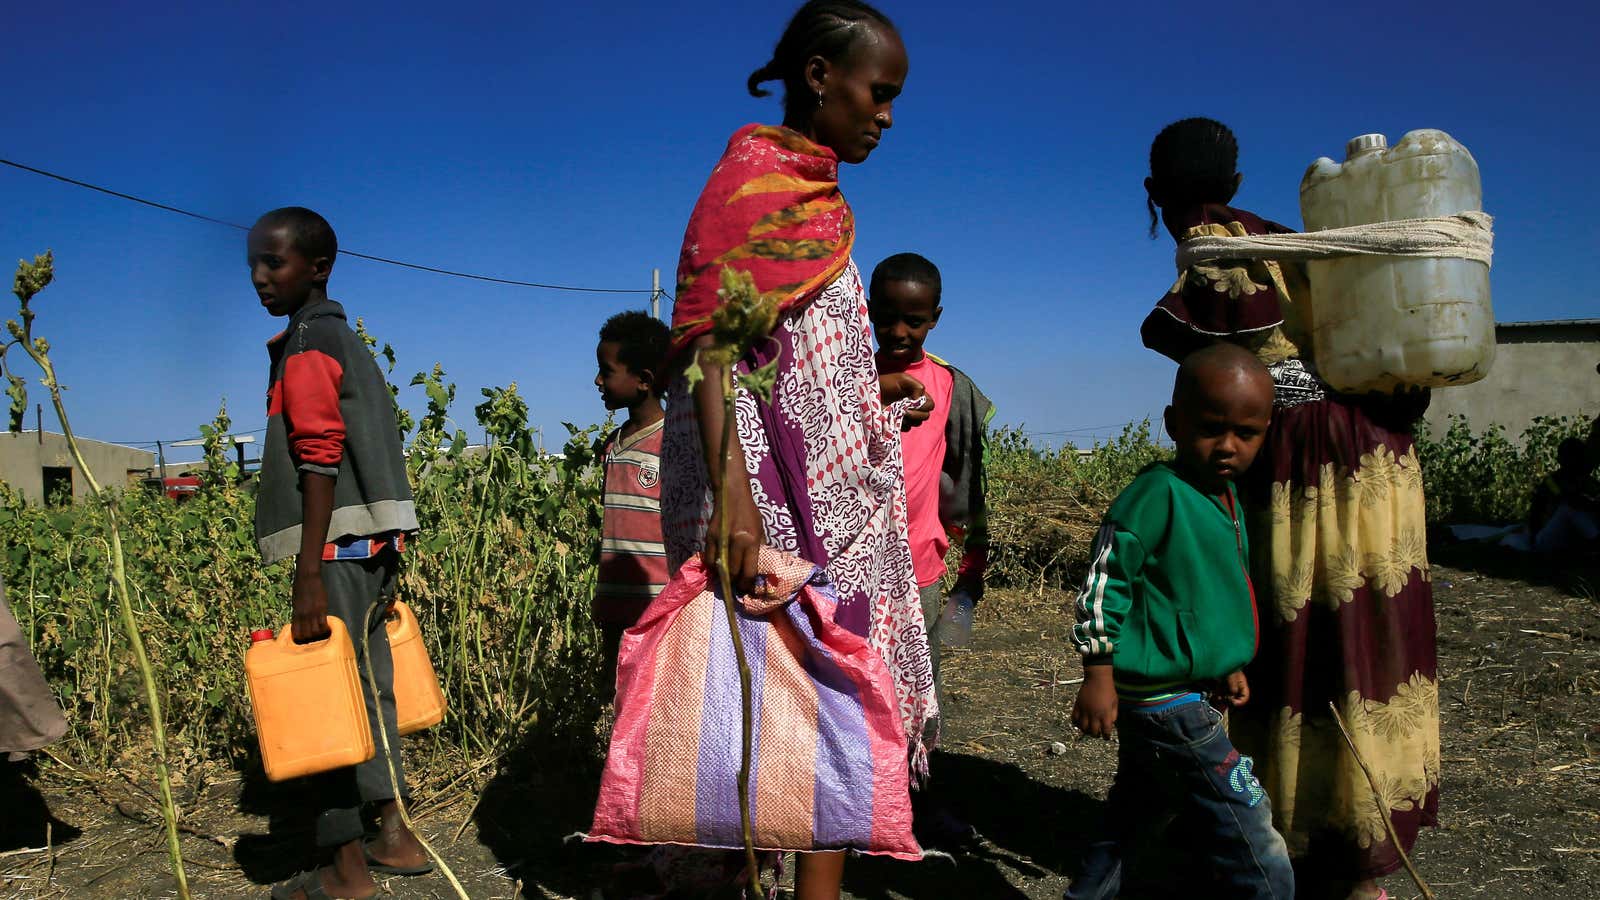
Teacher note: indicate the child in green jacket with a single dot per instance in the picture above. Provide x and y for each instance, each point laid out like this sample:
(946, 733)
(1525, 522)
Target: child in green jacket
(1166, 623)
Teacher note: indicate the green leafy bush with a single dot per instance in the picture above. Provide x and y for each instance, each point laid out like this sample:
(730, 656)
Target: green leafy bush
(500, 578)
(1485, 477)
(502, 571)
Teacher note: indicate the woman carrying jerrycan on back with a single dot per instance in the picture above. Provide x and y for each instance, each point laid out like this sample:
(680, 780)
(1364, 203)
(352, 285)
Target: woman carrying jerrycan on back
(1340, 554)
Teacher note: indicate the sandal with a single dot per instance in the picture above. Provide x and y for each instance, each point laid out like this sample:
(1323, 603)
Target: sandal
(383, 868)
(308, 883)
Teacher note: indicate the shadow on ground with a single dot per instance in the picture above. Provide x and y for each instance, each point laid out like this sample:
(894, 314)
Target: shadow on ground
(524, 818)
(528, 815)
(289, 844)
(1030, 830)
(27, 821)
(1576, 574)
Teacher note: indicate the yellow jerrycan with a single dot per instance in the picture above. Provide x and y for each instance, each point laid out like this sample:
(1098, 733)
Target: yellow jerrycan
(418, 700)
(310, 714)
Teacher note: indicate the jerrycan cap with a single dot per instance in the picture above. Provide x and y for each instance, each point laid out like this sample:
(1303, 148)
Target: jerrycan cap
(260, 634)
(1365, 143)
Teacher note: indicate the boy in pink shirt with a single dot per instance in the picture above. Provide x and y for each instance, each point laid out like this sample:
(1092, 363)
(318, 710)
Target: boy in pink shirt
(944, 457)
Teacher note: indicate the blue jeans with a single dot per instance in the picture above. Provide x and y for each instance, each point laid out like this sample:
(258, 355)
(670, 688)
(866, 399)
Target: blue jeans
(1175, 757)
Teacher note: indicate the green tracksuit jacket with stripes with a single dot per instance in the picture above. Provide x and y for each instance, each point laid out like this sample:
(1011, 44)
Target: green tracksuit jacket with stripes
(1168, 600)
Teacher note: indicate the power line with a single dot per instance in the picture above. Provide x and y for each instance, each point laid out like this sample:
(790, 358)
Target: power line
(1086, 429)
(170, 441)
(367, 256)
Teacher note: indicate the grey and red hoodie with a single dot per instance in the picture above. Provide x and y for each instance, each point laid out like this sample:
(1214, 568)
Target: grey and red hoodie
(329, 411)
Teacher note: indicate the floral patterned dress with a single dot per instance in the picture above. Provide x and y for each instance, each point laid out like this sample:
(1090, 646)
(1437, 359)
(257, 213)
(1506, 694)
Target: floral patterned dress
(1339, 538)
(826, 474)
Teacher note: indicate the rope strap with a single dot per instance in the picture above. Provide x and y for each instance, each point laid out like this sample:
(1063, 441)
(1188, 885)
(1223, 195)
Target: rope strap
(1468, 235)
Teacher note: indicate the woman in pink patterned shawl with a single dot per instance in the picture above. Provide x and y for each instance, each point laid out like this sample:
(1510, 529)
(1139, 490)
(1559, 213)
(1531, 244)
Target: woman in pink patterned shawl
(816, 471)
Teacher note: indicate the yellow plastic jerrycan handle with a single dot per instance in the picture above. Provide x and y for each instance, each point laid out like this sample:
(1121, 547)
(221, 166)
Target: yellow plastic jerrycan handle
(308, 705)
(336, 633)
(418, 701)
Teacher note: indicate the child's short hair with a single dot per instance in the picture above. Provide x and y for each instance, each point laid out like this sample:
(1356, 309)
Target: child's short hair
(309, 232)
(641, 340)
(912, 267)
(1218, 357)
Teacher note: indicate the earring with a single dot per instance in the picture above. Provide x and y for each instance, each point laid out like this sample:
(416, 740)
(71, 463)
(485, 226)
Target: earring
(819, 99)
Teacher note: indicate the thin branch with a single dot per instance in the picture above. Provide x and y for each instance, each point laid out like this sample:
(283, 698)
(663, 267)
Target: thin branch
(1383, 808)
(745, 739)
(30, 280)
(388, 757)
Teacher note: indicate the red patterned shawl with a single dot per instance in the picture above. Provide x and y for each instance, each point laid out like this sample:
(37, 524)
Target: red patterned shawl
(772, 207)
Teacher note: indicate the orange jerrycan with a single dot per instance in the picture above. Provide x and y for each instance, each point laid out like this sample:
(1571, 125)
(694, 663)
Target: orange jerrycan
(310, 714)
(418, 701)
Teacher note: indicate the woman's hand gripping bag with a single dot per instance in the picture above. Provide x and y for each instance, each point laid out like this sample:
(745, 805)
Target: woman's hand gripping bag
(828, 763)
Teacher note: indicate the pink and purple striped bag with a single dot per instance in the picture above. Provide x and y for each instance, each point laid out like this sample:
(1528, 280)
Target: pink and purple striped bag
(828, 767)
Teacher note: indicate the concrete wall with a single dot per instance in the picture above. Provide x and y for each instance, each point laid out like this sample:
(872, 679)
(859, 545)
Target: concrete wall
(23, 458)
(1540, 369)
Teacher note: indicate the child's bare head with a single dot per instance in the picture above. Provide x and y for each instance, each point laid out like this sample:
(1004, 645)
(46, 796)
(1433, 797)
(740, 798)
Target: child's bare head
(903, 302)
(290, 252)
(631, 356)
(1221, 406)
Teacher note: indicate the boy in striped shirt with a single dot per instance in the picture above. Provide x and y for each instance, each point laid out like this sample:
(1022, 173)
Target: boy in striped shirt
(1166, 623)
(633, 559)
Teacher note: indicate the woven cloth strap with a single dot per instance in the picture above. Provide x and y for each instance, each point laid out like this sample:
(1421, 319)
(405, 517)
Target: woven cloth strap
(1468, 235)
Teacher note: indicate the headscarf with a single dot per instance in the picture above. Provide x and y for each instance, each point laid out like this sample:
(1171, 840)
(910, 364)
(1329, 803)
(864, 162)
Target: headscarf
(772, 207)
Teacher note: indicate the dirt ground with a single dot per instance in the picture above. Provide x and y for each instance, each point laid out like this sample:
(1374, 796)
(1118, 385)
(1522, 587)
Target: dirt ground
(1520, 696)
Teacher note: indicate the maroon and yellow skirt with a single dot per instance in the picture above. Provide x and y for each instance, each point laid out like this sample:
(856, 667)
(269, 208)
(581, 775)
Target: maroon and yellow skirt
(1340, 553)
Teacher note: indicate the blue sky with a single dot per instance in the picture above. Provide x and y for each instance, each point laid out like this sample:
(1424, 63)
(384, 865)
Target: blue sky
(567, 142)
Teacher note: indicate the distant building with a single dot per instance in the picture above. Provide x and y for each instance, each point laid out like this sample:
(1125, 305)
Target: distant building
(40, 468)
(1540, 369)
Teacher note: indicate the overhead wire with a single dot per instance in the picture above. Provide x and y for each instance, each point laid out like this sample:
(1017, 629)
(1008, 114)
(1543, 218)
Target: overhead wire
(170, 441)
(1086, 429)
(420, 267)
(437, 270)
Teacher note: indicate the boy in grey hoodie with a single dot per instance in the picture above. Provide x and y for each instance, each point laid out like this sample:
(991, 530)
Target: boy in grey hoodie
(334, 495)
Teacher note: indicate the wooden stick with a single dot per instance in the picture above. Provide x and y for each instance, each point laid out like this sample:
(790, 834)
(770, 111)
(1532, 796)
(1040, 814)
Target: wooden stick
(745, 738)
(388, 756)
(1383, 809)
(38, 350)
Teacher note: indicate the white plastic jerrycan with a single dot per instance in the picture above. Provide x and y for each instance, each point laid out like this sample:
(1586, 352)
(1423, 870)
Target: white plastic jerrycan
(1381, 323)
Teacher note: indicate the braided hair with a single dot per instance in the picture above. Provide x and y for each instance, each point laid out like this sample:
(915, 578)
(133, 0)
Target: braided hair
(1192, 161)
(825, 28)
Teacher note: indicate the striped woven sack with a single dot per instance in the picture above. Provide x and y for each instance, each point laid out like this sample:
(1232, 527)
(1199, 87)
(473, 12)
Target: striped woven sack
(828, 765)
